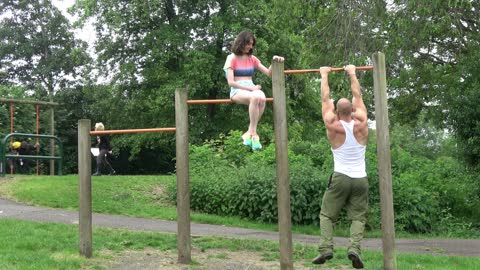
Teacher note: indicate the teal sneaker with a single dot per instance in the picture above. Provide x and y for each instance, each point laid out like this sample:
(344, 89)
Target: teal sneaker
(247, 139)
(256, 145)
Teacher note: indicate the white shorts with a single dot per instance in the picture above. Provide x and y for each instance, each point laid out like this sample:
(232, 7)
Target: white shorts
(234, 90)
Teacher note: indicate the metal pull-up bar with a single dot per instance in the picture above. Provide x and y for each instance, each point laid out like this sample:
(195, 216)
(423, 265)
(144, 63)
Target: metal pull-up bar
(294, 71)
(126, 131)
(301, 71)
(215, 101)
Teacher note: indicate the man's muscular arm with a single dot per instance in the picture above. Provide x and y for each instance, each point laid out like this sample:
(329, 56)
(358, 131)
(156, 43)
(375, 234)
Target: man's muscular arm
(357, 101)
(328, 109)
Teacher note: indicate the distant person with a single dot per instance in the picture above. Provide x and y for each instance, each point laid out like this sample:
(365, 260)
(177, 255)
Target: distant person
(347, 131)
(239, 69)
(13, 150)
(104, 150)
(25, 148)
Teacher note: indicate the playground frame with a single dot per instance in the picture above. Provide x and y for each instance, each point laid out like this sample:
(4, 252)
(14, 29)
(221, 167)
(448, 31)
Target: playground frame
(281, 156)
(51, 105)
(4, 156)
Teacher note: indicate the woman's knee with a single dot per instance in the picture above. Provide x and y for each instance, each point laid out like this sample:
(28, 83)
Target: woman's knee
(258, 93)
(258, 97)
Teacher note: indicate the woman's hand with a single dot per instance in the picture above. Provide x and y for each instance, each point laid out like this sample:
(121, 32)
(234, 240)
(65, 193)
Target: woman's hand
(278, 58)
(257, 87)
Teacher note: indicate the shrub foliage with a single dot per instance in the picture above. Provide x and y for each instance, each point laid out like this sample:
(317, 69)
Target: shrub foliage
(229, 179)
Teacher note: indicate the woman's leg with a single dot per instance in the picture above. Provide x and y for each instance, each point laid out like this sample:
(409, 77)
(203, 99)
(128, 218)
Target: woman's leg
(256, 106)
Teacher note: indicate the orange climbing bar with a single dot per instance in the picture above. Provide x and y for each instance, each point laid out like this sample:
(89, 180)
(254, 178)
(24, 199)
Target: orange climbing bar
(125, 131)
(301, 71)
(215, 101)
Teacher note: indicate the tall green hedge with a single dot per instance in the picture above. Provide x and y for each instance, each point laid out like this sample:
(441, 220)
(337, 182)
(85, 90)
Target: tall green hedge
(229, 179)
(219, 187)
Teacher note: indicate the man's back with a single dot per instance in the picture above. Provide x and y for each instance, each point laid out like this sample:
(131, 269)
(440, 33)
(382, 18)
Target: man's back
(349, 157)
(336, 133)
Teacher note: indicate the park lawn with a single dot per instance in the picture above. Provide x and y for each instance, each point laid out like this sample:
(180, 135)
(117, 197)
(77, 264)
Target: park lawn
(142, 196)
(134, 196)
(37, 245)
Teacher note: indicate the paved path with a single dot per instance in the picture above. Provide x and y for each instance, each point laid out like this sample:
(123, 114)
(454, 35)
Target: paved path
(13, 210)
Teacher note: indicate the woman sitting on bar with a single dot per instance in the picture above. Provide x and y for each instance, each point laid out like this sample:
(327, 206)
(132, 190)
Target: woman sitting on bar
(239, 69)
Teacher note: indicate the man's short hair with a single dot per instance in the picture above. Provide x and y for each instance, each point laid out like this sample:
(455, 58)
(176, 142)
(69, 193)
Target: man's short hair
(344, 108)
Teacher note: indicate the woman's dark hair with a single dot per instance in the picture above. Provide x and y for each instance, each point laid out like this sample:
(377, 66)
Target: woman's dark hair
(242, 39)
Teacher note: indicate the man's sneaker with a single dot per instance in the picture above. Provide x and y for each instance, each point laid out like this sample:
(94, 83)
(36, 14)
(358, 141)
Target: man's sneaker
(322, 258)
(256, 145)
(247, 140)
(97, 174)
(357, 262)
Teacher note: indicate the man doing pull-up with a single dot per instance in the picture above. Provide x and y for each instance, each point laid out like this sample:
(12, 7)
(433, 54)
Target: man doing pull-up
(347, 131)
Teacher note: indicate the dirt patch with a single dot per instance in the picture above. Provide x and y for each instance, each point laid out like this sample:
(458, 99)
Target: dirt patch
(211, 259)
(4, 190)
(159, 194)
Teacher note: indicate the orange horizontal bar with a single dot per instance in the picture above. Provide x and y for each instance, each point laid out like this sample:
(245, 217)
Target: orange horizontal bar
(215, 101)
(124, 131)
(301, 71)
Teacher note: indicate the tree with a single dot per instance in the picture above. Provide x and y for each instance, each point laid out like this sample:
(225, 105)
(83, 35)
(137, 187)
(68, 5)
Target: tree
(24, 115)
(426, 42)
(430, 49)
(38, 49)
(154, 47)
(463, 106)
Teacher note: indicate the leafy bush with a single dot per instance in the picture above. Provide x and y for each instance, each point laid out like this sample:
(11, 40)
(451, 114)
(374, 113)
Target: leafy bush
(226, 179)
(416, 209)
(430, 196)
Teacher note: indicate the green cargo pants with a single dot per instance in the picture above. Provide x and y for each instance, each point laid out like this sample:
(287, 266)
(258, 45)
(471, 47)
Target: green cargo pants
(351, 193)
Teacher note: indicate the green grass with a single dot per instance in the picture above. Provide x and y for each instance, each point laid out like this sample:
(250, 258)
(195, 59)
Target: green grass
(33, 245)
(135, 196)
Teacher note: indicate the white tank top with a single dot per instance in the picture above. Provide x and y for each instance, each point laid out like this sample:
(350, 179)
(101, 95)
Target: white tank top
(349, 158)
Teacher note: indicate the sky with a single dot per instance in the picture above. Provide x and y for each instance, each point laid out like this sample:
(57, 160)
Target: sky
(86, 34)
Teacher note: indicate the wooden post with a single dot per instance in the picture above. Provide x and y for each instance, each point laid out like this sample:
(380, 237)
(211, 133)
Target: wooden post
(12, 121)
(384, 161)
(281, 156)
(52, 142)
(84, 188)
(12, 129)
(37, 130)
(182, 168)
